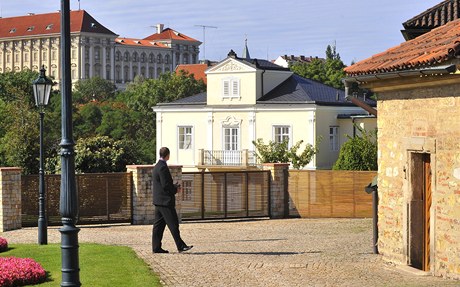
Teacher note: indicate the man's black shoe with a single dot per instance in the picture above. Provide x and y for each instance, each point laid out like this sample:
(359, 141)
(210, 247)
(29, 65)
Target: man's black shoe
(185, 248)
(160, 251)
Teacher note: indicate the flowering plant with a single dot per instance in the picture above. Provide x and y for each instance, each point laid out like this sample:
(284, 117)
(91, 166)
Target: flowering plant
(20, 271)
(3, 244)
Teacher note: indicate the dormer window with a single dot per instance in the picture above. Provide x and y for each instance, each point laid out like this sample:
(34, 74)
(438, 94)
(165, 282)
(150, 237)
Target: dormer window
(49, 26)
(30, 29)
(231, 88)
(13, 30)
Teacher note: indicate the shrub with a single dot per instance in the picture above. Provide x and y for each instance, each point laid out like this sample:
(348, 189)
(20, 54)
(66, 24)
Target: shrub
(276, 152)
(20, 271)
(3, 244)
(359, 152)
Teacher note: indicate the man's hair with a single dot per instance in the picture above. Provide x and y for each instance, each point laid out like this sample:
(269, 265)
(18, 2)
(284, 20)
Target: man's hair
(164, 152)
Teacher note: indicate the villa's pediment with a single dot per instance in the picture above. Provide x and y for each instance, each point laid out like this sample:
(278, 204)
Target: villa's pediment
(231, 65)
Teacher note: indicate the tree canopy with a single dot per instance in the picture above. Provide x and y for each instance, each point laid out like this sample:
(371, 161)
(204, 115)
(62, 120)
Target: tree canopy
(329, 71)
(101, 115)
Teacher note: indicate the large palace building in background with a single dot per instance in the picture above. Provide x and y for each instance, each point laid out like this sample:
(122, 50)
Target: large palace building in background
(28, 42)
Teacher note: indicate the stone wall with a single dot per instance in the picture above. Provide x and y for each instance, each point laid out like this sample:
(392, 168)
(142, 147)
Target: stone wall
(10, 198)
(420, 121)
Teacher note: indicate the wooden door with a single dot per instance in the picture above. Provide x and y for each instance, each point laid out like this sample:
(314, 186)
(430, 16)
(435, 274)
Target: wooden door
(419, 221)
(427, 206)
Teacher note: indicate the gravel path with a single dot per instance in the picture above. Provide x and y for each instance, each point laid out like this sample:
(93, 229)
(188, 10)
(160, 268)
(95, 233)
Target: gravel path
(288, 252)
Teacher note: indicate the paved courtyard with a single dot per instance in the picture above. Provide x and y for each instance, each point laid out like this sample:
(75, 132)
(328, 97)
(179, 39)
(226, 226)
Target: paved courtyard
(288, 252)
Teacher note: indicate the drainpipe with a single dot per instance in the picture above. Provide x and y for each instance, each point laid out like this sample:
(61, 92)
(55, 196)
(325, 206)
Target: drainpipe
(356, 101)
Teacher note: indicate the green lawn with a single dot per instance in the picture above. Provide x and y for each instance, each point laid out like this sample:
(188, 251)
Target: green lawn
(100, 265)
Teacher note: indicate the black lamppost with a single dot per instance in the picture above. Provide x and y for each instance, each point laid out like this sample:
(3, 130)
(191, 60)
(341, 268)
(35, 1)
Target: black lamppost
(42, 89)
(68, 205)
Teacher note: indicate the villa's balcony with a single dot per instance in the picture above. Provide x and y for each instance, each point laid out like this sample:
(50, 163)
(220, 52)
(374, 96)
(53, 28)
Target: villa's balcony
(228, 158)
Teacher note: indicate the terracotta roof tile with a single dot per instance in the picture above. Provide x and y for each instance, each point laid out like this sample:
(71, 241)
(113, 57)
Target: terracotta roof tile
(139, 42)
(433, 48)
(196, 69)
(50, 23)
(170, 34)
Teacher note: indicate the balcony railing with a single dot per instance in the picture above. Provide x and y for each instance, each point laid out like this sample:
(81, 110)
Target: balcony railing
(228, 158)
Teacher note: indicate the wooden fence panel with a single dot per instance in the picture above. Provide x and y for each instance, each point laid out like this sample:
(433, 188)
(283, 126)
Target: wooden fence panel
(102, 198)
(326, 193)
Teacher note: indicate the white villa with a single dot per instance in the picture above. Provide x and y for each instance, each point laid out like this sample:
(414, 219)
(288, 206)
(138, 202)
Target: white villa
(247, 99)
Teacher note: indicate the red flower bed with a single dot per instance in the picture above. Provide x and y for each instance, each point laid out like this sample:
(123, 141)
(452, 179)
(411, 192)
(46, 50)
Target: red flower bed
(20, 271)
(3, 244)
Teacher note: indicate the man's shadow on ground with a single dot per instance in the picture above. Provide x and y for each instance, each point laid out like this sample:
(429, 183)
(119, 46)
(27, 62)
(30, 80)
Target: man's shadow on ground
(268, 253)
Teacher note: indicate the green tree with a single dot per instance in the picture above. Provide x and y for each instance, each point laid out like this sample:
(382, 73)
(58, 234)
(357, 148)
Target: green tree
(329, 71)
(19, 123)
(93, 89)
(359, 152)
(143, 94)
(19, 144)
(274, 152)
(100, 154)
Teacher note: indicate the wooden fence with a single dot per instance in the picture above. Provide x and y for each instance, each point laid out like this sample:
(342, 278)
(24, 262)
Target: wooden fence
(326, 193)
(103, 198)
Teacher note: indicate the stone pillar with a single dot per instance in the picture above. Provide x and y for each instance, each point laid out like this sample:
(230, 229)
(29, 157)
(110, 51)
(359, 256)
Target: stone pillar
(279, 198)
(10, 198)
(143, 208)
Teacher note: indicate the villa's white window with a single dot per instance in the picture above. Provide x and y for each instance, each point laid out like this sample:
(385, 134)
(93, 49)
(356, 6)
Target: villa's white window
(231, 88)
(334, 138)
(185, 137)
(187, 190)
(281, 133)
(231, 138)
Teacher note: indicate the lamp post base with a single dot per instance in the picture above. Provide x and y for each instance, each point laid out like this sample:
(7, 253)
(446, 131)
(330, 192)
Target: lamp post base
(42, 231)
(69, 255)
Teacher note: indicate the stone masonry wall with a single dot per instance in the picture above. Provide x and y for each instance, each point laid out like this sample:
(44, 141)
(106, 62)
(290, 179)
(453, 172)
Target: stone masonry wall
(10, 198)
(278, 208)
(143, 208)
(428, 121)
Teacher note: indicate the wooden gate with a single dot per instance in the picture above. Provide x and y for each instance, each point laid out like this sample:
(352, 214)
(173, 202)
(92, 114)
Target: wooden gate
(220, 195)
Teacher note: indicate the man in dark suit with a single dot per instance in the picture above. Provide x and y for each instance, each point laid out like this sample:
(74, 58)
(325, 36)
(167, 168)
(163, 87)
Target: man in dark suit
(164, 191)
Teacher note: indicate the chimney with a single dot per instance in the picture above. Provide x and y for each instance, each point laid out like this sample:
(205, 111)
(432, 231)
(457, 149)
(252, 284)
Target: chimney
(232, 54)
(160, 28)
(302, 57)
(292, 57)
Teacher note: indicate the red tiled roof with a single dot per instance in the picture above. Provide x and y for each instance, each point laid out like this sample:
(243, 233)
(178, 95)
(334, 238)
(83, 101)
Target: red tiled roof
(170, 34)
(196, 69)
(50, 23)
(139, 42)
(430, 49)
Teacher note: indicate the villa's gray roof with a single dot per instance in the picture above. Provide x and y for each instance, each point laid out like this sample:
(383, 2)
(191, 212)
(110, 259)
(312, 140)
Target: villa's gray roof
(192, 100)
(295, 89)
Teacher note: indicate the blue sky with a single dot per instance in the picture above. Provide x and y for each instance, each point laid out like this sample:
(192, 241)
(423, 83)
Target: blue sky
(360, 28)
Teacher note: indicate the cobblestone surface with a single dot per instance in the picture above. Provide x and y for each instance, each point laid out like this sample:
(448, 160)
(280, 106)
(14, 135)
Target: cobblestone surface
(291, 252)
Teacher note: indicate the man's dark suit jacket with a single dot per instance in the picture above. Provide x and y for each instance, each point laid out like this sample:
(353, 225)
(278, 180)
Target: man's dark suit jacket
(164, 189)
